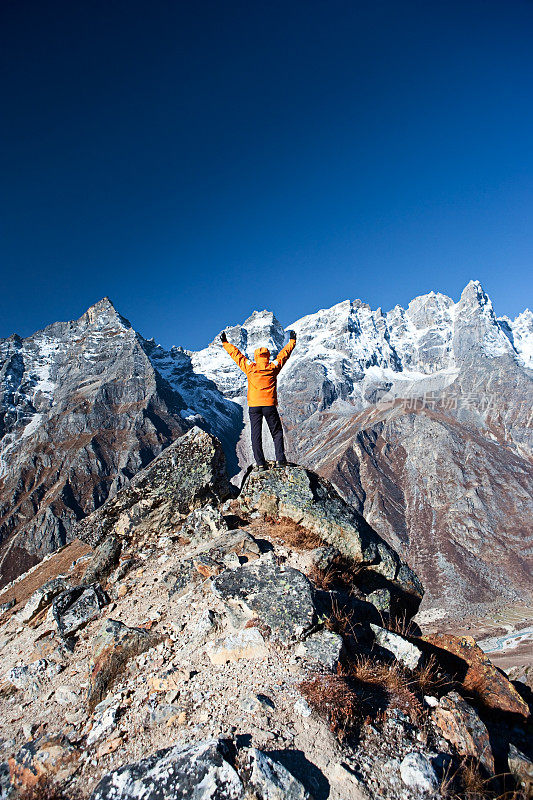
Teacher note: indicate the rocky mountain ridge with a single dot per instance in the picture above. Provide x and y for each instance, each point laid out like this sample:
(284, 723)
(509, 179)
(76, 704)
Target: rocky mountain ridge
(86, 404)
(258, 647)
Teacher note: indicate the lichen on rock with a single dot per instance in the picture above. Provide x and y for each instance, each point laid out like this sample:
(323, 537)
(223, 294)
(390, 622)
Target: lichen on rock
(188, 474)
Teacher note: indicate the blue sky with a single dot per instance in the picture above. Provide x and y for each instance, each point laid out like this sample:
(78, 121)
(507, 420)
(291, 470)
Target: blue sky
(197, 160)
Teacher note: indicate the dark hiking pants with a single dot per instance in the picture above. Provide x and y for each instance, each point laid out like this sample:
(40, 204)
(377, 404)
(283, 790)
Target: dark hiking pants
(270, 413)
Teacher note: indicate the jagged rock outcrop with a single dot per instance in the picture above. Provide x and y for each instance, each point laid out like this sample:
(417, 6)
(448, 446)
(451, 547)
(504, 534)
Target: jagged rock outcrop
(44, 757)
(263, 675)
(75, 607)
(203, 771)
(302, 496)
(114, 645)
(200, 770)
(462, 727)
(187, 475)
(477, 673)
(105, 558)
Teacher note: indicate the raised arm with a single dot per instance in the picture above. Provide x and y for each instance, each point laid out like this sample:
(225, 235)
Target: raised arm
(241, 360)
(284, 354)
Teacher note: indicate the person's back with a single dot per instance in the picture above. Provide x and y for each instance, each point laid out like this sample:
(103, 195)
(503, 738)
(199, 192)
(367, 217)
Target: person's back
(262, 395)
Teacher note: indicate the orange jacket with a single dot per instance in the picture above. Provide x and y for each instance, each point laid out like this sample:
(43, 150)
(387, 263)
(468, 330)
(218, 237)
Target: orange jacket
(262, 373)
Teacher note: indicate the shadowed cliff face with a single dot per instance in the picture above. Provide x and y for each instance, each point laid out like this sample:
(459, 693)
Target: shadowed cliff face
(421, 417)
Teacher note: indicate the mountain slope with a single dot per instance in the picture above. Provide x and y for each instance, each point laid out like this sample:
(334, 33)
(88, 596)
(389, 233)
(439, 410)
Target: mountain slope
(420, 416)
(82, 411)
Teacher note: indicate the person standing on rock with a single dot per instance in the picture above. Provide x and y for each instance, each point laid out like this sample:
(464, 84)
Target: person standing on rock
(262, 374)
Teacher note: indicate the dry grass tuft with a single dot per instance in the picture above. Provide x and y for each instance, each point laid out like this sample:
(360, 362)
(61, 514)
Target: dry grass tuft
(287, 532)
(362, 691)
(391, 678)
(429, 678)
(334, 697)
(339, 575)
(473, 782)
(401, 625)
(340, 621)
(466, 782)
(47, 789)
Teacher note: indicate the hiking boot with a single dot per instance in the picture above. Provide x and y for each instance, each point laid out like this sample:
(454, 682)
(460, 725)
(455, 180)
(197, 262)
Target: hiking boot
(260, 468)
(281, 463)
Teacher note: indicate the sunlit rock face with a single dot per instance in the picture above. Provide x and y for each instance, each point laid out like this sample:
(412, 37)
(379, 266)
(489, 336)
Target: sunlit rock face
(421, 417)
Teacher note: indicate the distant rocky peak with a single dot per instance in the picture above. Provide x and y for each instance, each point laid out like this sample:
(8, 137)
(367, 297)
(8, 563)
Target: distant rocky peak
(260, 318)
(477, 330)
(103, 314)
(524, 320)
(520, 333)
(335, 319)
(474, 298)
(430, 309)
(261, 329)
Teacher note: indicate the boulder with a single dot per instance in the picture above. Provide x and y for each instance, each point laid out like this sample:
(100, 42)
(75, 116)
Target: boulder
(272, 781)
(113, 646)
(104, 724)
(203, 524)
(324, 648)
(521, 767)
(461, 726)
(75, 607)
(324, 558)
(402, 650)
(35, 673)
(51, 644)
(104, 560)
(178, 579)
(313, 503)
(200, 771)
(281, 597)
(465, 660)
(247, 644)
(66, 695)
(45, 757)
(190, 473)
(42, 598)
(417, 773)
(382, 600)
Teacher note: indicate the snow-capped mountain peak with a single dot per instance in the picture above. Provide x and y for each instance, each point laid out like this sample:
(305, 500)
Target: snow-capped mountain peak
(84, 404)
(103, 314)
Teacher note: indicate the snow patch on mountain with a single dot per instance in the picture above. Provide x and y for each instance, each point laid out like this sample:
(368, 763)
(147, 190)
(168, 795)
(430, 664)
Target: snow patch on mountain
(198, 392)
(520, 334)
(27, 390)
